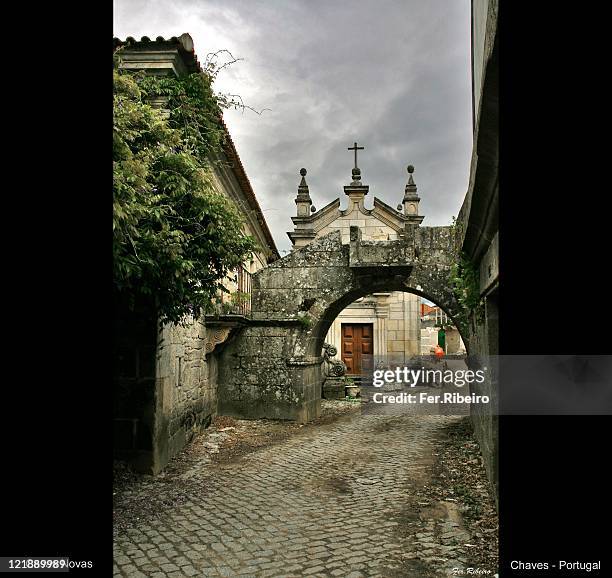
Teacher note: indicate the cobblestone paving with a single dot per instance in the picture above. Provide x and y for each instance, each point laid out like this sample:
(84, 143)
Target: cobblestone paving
(336, 501)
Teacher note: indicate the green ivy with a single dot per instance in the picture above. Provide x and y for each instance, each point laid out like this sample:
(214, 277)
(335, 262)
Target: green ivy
(175, 238)
(195, 110)
(465, 280)
(456, 230)
(305, 320)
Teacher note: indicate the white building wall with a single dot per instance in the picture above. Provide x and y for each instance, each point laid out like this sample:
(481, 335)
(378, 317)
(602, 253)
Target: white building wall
(429, 339)
(371, 228)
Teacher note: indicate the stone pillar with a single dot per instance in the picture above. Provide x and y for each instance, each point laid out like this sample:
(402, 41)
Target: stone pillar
(303, 200)
(412, 325)
(411, 199)
(356, 191)
(380, 329)
(380, 343)
(303, 232)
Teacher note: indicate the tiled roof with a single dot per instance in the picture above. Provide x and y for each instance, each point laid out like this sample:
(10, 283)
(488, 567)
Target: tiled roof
(427, 309)
(182, 43)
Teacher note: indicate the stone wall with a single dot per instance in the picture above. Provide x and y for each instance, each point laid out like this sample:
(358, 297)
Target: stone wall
(185, 390)
(429, 338)
(454, 343)
(483, 344)
(165, 388)
(477, 220)
(273, 368)
(259, 376)
(403, 327)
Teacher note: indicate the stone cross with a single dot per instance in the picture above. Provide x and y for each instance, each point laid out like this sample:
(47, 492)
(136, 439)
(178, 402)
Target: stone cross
(355, 148)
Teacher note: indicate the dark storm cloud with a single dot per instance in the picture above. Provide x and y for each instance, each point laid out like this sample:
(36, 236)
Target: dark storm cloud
(393, 75)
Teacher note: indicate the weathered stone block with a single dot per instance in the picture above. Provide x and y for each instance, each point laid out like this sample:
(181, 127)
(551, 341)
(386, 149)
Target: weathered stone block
(333, 389)
(279, 371)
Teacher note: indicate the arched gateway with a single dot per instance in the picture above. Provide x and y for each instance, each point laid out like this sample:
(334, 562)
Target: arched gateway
(272, 368)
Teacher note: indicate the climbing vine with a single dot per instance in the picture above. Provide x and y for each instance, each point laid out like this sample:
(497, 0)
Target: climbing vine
(465, 280)
(175, 238)
(305, 320)
(195, 110)
(456, 230)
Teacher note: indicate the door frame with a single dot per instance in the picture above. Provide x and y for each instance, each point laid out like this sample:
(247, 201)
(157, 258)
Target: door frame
(355, 324)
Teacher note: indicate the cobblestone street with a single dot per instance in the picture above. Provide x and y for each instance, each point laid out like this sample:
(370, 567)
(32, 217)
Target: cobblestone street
(339, 499)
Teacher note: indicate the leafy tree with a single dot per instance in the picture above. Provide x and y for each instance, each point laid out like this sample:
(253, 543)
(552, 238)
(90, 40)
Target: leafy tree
(175, 238)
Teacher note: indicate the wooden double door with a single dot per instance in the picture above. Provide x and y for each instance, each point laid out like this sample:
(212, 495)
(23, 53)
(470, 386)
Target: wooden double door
(357, 346)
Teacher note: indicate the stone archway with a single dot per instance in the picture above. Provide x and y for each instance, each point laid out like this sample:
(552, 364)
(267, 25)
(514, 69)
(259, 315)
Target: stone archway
(273, 367)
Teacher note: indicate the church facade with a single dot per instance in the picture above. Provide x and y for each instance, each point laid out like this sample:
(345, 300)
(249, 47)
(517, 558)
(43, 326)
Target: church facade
(386, 325)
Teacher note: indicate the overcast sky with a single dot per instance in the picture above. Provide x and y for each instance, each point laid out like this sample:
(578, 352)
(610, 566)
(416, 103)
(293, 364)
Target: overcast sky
(393, 75)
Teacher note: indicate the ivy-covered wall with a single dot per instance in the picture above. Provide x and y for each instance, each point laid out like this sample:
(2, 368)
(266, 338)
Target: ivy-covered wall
(182, 227)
